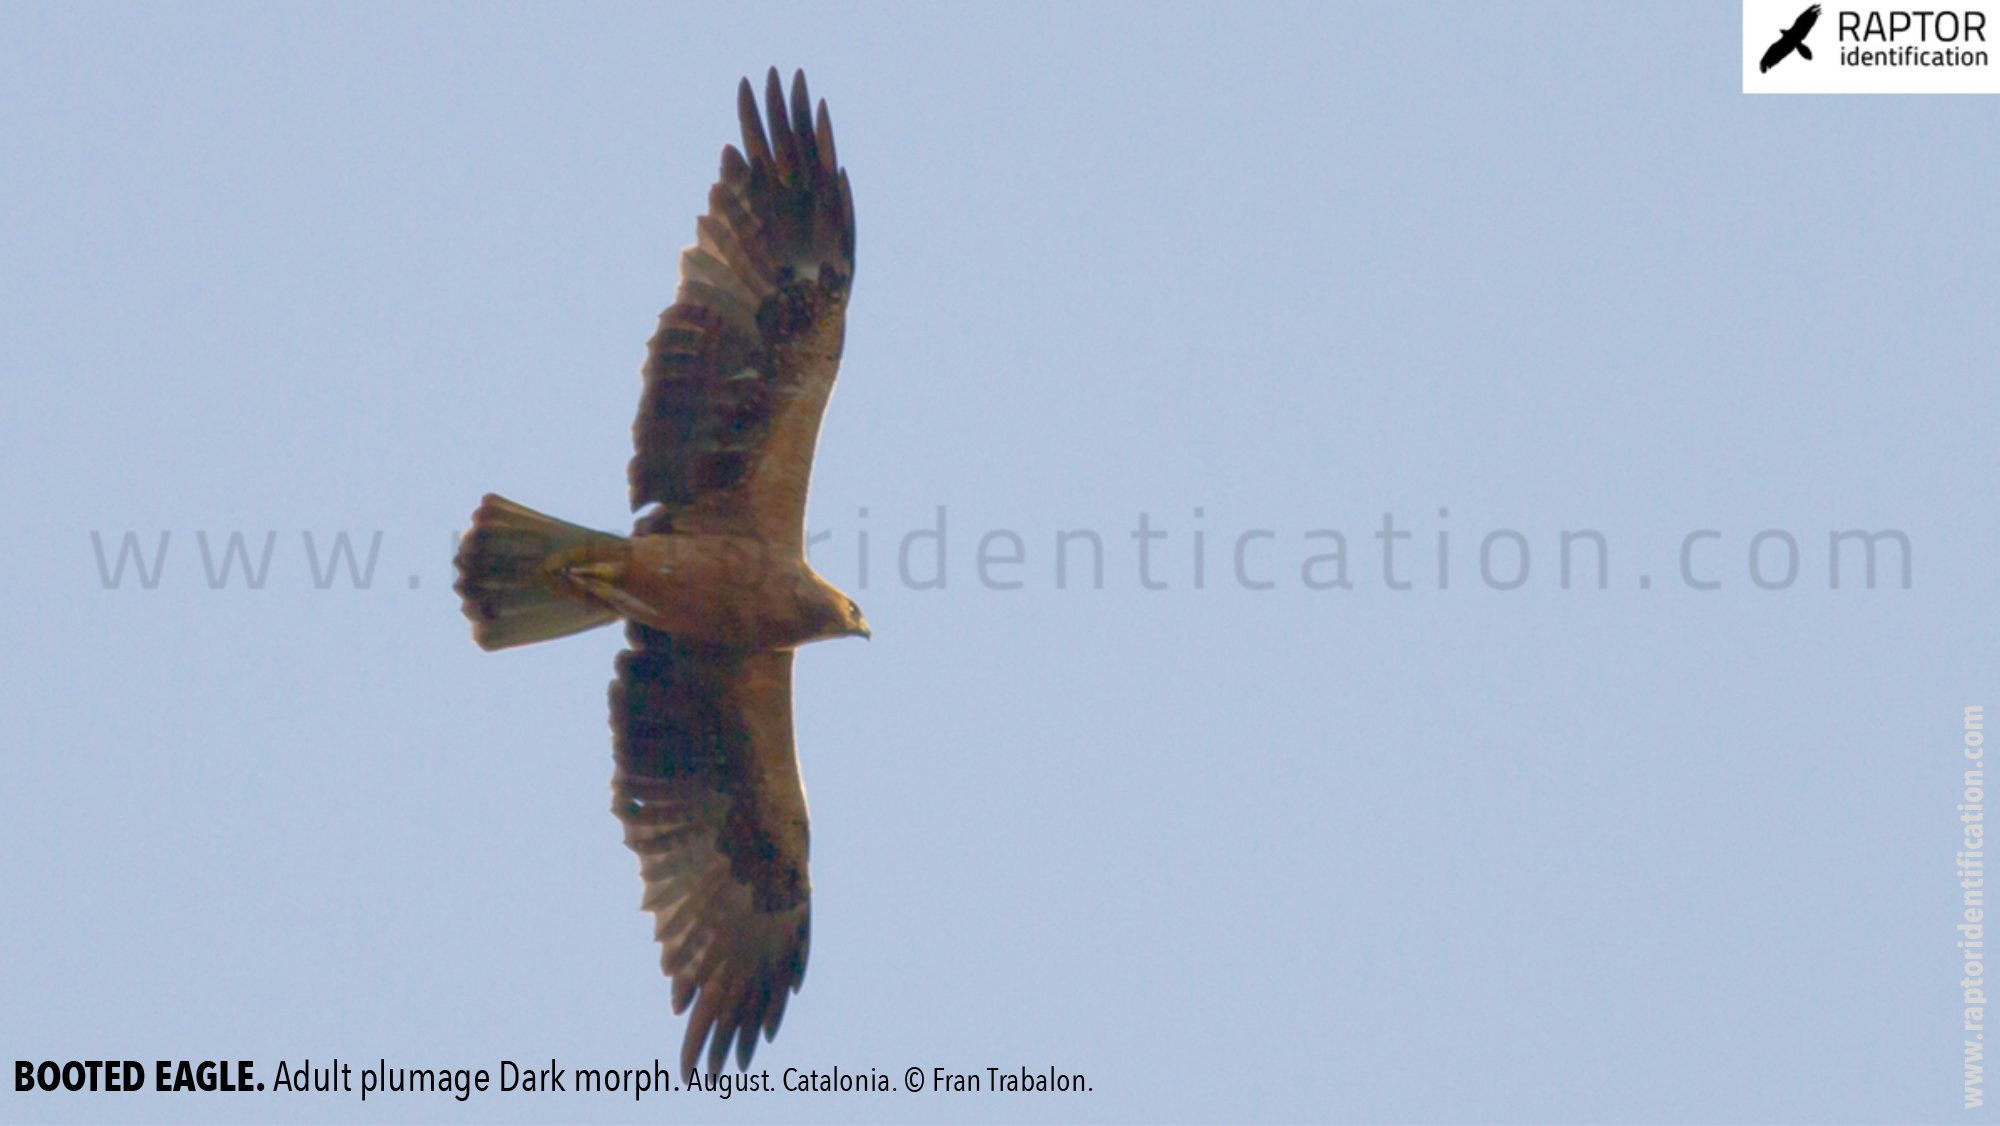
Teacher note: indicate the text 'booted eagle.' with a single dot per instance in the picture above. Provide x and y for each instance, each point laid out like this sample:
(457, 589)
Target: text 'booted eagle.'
(713, 582)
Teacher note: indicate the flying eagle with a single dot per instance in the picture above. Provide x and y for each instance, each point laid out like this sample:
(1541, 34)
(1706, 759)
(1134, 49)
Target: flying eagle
(713, 583)
(1791, 39)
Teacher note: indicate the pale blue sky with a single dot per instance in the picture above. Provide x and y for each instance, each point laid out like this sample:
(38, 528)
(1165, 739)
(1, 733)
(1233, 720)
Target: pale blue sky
(1542, 854)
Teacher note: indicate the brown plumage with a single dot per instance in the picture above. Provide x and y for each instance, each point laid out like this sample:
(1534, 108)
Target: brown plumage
(713, 583)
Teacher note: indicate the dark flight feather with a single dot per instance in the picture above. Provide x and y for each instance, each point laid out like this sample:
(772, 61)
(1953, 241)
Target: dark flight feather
(697, 736)
(738, 375)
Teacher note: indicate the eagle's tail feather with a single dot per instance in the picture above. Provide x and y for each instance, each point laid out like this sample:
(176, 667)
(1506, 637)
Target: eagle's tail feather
(507, 577)
(1805, 52)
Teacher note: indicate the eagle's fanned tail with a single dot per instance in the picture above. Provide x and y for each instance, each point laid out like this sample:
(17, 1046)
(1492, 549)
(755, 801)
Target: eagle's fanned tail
(506, 575)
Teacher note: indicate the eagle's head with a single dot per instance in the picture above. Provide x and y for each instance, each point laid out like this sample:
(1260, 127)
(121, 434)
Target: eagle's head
(852, 624)
(832, 613)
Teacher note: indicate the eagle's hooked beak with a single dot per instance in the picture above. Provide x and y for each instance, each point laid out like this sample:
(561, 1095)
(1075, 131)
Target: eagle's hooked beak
(866, 635)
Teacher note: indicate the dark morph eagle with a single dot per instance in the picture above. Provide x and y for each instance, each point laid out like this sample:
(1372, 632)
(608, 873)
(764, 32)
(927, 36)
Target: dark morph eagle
(1791, 39)
(713, 583)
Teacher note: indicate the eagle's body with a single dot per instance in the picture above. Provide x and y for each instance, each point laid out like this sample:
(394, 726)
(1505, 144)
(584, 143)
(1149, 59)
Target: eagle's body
(713, 583)
(729, 591)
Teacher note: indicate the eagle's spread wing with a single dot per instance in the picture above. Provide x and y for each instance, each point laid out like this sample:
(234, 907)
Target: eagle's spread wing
(707, 785)
(1775, 53)
(1804, 24)
(739, 373)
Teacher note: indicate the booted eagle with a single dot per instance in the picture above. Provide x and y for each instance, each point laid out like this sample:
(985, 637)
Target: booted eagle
(712, 583)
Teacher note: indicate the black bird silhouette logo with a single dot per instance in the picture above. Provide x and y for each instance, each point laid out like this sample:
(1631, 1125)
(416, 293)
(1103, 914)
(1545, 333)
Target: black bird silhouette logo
(1791, 39)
